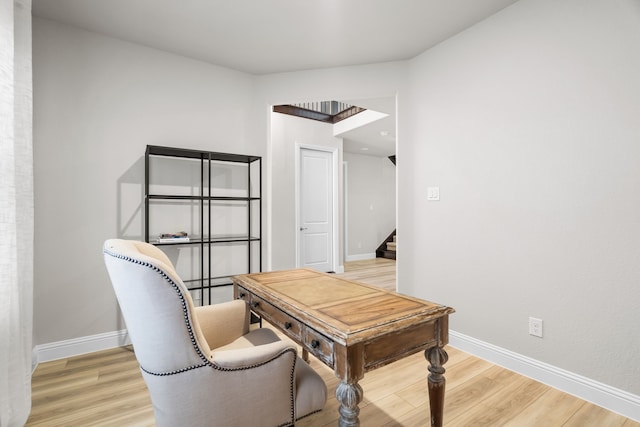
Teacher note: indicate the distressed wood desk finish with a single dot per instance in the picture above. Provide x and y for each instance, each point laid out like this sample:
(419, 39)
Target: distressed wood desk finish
(352, 328)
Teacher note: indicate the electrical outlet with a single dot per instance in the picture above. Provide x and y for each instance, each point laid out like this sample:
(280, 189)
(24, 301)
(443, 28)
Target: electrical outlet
(535, 327)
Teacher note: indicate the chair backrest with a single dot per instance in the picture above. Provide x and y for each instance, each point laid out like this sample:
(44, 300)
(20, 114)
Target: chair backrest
(156, 307)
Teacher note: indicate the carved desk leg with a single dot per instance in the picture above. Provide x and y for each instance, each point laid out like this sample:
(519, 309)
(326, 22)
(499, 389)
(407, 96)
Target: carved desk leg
(437, 357)
(349, 396)
(349, 368)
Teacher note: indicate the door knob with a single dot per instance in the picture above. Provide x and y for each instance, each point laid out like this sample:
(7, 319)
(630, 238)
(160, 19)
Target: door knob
(303, 228)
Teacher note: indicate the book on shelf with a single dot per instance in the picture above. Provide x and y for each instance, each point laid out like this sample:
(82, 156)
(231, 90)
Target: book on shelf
(179, 237)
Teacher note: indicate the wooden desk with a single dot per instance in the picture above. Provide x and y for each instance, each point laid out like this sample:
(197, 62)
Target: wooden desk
(352, 328)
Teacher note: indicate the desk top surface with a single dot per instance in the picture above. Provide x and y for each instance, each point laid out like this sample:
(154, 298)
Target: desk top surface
(344, 309)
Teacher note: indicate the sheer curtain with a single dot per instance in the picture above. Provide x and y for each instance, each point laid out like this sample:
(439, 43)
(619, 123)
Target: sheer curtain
(16, 212)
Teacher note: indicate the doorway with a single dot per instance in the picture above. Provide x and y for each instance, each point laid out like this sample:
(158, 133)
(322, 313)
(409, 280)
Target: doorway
(287, 135)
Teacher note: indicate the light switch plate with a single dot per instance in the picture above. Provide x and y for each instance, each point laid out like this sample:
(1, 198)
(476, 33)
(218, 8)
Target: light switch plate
(433, 193)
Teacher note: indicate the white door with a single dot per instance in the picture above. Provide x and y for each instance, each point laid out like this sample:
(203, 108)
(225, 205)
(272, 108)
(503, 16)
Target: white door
(316, 210)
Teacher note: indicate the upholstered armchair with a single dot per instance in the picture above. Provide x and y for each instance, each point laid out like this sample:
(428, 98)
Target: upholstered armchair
(202, 365)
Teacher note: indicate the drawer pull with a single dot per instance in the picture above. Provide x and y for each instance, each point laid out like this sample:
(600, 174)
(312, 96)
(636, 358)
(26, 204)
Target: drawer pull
(256, 304)
(242, 295)
(287, 325)
(315, 344)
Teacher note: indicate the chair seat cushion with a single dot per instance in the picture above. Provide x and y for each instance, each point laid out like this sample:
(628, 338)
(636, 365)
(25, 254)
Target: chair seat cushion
(254, 338)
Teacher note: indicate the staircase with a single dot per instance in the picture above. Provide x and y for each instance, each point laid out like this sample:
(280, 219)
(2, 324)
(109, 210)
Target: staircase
(388, 248)
(391, 246)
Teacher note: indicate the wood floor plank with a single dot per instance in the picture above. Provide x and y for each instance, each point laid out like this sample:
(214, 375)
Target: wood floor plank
(596, 415)
(110, 397)
(505, 402)
(384, 411)
(396, 377)
(464, 400)
(553, 406)
(106, 389)
(455, 375)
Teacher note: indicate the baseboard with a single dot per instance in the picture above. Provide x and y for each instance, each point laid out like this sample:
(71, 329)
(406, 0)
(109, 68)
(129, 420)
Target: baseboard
(78, 346)
(360, 257)
(610, 398)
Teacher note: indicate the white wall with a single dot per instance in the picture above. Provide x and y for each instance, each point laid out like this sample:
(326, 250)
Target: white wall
(98, 102)
(528, 123)
(370, 203)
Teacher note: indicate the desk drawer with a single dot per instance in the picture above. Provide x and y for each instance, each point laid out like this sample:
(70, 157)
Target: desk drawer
(283, 321)
(243, 294)
(311, 340)
(318, 345)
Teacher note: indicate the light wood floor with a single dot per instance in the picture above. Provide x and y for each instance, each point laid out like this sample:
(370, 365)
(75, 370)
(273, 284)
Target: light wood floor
(106, 389)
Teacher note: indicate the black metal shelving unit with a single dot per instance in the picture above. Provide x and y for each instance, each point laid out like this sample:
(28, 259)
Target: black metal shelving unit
(211, 235)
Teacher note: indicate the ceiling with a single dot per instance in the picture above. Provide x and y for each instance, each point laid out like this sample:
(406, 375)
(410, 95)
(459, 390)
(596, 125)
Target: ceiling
(271, 36)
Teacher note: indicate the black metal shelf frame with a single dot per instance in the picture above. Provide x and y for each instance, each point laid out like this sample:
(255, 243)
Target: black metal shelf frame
(206, 280)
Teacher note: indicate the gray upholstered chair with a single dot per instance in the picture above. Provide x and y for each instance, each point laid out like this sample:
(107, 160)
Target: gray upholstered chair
(202, 365)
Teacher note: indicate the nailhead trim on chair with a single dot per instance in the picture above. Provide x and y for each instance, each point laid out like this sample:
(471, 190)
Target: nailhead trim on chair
(194, 341)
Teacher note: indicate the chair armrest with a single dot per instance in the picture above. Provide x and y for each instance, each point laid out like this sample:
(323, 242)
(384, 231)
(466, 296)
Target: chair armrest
(223, 323)
(258, 382)
(249, 357)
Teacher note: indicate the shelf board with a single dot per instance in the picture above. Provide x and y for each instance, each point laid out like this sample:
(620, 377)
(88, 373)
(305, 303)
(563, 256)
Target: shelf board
(197, 288)
(205, 198)
(217, 239)
(221, 281)
(156, 150)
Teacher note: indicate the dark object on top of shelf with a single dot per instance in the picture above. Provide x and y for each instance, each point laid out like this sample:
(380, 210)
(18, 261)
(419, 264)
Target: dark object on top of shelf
(174, 235)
